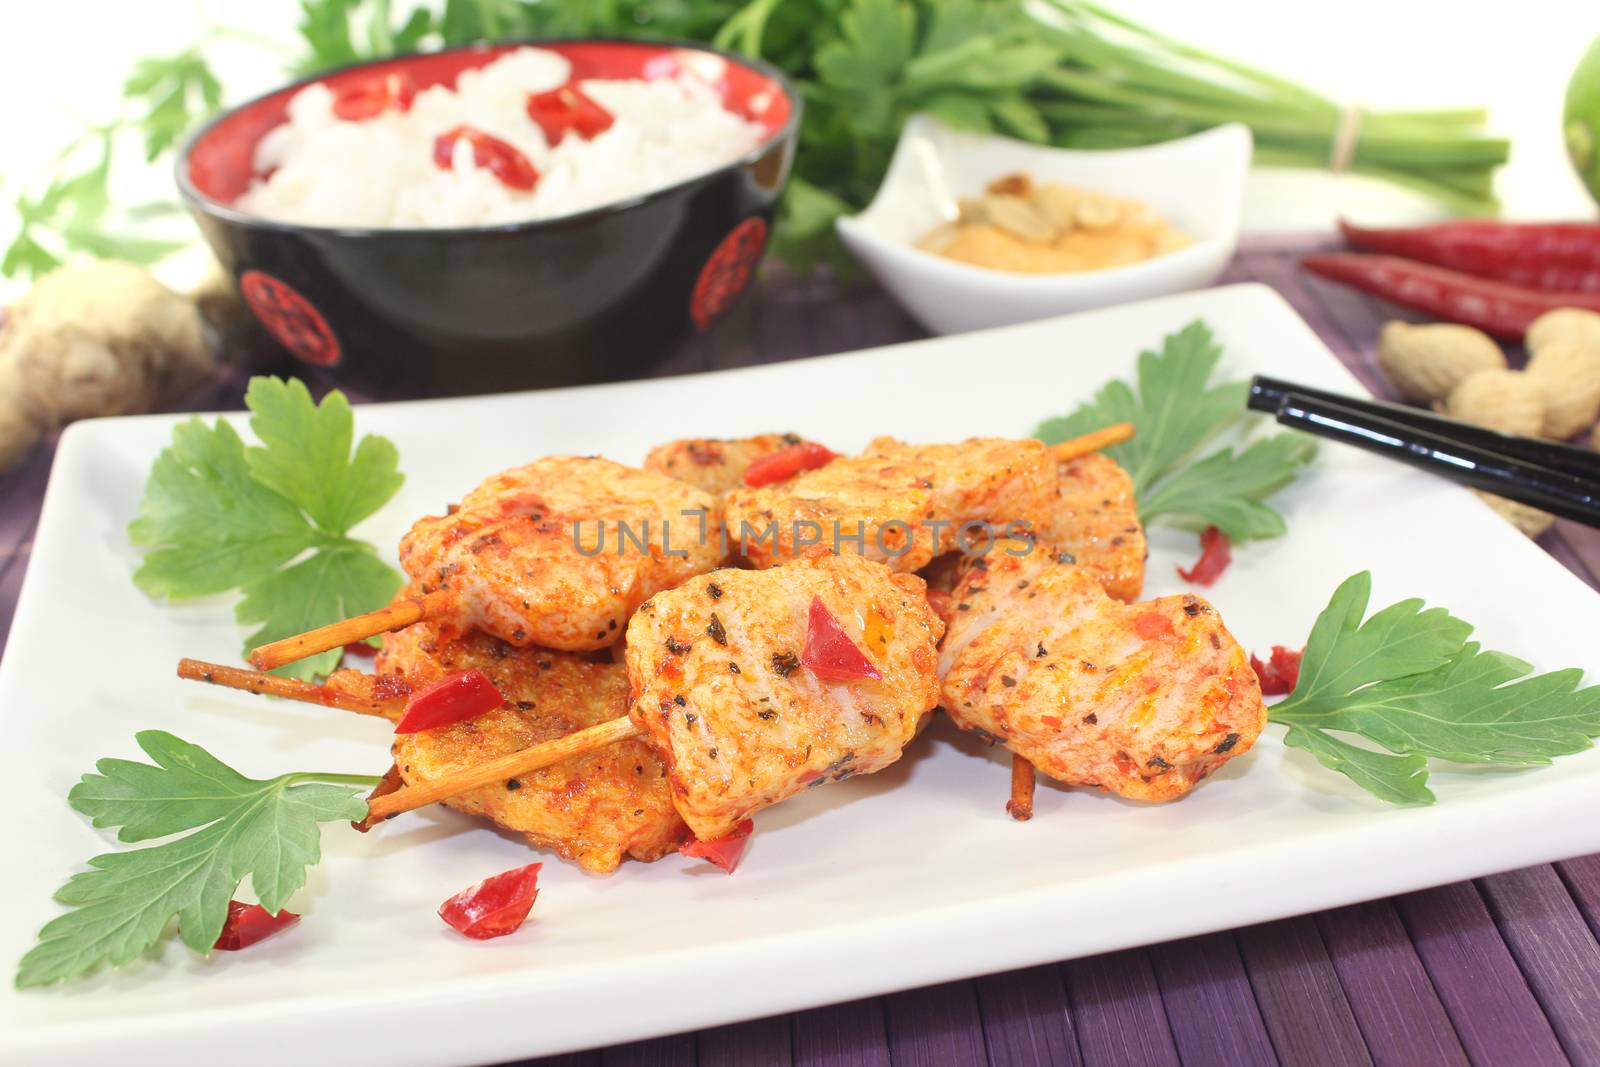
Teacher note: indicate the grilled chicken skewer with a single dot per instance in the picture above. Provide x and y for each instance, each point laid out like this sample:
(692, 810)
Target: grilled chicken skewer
(744, 737)
(511, 558)
(726, 756)
(1094, 519)
(758, 685)
(557, 553)
(725, 680)
(751, 685)
(596, 809)
(1143, 700)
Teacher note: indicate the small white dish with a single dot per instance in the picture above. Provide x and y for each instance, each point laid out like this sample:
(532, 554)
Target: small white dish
(1196, 183)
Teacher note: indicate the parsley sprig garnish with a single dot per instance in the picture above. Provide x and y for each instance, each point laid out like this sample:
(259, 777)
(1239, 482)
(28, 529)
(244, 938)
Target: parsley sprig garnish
(235, 827)
(1178, 413)
(1409, 683)
(272, 520)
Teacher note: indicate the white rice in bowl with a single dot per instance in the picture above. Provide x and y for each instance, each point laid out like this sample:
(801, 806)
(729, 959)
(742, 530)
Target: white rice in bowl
(380, 171)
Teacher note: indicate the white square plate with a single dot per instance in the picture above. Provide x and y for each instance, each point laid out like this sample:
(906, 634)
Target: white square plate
(908, 877)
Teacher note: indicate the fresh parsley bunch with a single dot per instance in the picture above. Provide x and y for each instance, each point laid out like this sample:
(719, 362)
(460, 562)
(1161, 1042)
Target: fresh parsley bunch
(235, 827)
(1178, 412)
(272, 520)
(1409, 683)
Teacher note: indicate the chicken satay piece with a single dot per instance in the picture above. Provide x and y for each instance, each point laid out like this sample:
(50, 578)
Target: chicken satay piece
(715, 465)
(560, 552)
(1143, 700)
(593, 809)
(898, 504)
(1096, 520)
(725, 685)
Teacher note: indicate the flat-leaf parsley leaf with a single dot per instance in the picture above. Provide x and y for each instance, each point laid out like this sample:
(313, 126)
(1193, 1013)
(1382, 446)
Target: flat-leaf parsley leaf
(1177, 412)
(272, 520)
(1410, 685)
(266, 830)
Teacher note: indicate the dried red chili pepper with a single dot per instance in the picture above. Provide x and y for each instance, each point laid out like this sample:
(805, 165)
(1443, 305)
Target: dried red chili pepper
(368, 99)
(502, 160)
(1216, 552)
(786, 462)
(1560, 256)
(829, 652)
(724, 851)
(567, 108)
(1281, 673)
(494, 907)
(248, 923)
(1495, 307)
(454, 698)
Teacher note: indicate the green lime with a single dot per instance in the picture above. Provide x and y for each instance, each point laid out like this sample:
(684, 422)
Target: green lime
(1582, 119)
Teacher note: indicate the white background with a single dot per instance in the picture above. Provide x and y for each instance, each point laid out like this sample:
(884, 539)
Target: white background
(63, 62)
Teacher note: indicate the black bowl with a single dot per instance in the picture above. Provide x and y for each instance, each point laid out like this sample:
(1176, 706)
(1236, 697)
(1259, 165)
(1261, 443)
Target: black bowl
(586, 297)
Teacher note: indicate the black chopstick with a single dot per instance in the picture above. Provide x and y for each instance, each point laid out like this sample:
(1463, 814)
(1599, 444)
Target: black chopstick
(1266, 394)
(1556, 491)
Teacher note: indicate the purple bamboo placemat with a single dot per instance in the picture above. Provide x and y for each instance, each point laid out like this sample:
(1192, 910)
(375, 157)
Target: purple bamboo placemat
(1501, 970)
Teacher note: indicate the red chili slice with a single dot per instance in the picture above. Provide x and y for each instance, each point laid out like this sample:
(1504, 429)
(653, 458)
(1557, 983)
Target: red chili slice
(1281, 673)
(360, 648)
(455, 698)
(368, 99)
(1216, 552)
(502, 160)
(567, 108)
(495, 906)
(724, 851)
(786, 463)
(829, 652)
(248, 923)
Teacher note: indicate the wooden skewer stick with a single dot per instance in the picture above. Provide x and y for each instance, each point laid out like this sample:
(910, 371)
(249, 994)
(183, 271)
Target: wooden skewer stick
(392, 782)
(1020, 806)
(1074, 447)
(346, 631)
(525, 761)
(250, 681)
(393, 796)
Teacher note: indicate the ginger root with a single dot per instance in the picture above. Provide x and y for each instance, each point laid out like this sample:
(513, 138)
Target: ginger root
(1427, 362)
(98, 337)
